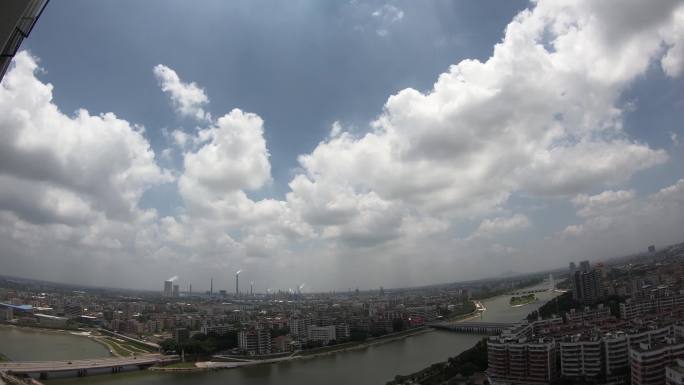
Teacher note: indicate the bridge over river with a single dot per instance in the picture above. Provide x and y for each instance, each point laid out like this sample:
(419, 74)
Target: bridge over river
(81, 368)
(473, 327)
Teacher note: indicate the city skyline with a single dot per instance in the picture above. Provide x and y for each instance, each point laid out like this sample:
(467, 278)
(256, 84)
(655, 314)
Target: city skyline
(364, 157)
(186, 286)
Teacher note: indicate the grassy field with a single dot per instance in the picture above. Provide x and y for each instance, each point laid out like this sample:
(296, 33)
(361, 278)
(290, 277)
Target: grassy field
(121, 347)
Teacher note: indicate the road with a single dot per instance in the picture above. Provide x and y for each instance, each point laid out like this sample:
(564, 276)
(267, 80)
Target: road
(98, 363)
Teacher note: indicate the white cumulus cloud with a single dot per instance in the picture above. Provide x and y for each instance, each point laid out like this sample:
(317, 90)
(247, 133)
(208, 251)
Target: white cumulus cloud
(187, 98)
(69, 164)
(504, 224)
(540, 118)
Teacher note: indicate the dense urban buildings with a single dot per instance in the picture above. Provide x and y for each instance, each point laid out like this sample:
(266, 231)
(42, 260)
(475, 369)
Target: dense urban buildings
(256, 324)
(627, 328)
(620, 324)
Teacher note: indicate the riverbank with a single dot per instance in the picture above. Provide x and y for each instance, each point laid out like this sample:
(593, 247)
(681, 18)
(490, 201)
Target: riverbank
(461, 367)
(364, 344)
(39, 328)
(7, 379)
(117, 347)
(49, 344)
(62, 331)
(306, 355)
(480, 308)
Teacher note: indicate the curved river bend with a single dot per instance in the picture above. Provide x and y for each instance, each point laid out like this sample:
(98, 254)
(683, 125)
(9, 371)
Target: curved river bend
(373, 365)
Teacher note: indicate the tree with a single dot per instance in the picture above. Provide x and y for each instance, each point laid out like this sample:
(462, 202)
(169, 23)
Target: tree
(277, 332)
(168, 345)
(398, 325)
(358, 335)
(468, 369)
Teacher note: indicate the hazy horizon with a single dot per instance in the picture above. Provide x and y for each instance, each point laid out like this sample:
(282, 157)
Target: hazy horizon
(339, 144)
(231, 284)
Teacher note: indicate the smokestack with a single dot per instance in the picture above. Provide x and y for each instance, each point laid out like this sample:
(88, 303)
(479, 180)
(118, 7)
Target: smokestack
(211, 287)
(190, 289)
(251, 288)
(237, 282)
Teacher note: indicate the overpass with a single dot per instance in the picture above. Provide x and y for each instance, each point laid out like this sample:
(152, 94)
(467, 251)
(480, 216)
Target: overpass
(473, 327)
(80, 368)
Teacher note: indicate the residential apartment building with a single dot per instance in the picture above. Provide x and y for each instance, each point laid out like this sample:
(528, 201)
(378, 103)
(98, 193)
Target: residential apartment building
(255, 341)
(521, 361)
(648, 362)
(587, 286)
(616, 353)
(323, 334)
(342, 331)
(6, 313)
(581, 356)
(632, 309)
(218, 330)
(600, 313)
(674, 374)
(299, 327)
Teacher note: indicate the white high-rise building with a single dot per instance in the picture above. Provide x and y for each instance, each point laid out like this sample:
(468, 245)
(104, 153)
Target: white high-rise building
(168, 289)
(323, 334)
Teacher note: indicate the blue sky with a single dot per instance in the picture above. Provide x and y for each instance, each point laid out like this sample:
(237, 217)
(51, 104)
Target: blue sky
(519, 158)
(301, 65)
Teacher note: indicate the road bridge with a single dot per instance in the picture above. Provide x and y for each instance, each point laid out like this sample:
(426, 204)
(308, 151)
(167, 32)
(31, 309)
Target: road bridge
(521, 292)
(80, 368)
(473, 327)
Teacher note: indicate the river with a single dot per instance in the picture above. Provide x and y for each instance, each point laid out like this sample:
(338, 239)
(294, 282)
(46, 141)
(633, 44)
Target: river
(374, 365)
(31, 344)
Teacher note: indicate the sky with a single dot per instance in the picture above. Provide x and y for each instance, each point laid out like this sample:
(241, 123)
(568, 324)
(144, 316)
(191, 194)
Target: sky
(339, 144)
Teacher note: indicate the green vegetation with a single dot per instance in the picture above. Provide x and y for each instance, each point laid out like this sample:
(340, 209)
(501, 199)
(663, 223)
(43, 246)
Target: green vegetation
(464, 365)
(523, 299)
(559, 305)
(121, 347)
(275, 332)
(202, 344)
(130, 344)
(466, 310)
(564, 302)
(357, 335)
(181, 365)
(116, 347)
(3, 358)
